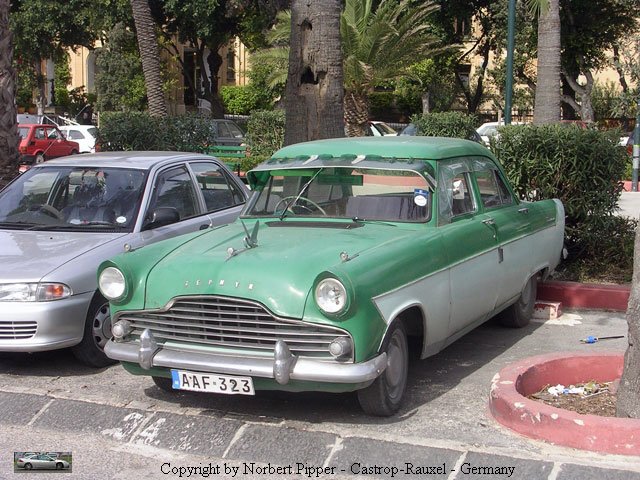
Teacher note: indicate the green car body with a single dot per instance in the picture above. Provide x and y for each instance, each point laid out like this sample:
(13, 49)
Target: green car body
(346, 248)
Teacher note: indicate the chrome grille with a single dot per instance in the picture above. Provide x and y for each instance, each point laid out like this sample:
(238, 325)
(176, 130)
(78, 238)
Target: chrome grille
(17, 330)
(232, 323)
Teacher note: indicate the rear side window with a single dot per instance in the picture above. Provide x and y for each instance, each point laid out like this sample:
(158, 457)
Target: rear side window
(492, 188)
(218, 191)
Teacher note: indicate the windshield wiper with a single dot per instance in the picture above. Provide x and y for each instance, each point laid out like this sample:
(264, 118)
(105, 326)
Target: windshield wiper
(18, 224)
(302, 190)
(76, 226)
(366, 220)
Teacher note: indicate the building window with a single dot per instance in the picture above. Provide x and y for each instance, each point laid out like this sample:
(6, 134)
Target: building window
(231, 65)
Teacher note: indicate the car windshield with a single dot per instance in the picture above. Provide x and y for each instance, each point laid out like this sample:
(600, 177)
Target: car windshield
(342, 192)
(65, 197)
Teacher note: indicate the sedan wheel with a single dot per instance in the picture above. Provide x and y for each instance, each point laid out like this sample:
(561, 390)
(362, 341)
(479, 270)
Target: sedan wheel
(519, 314)
(97, 332)
(384, 396)
(28, 466)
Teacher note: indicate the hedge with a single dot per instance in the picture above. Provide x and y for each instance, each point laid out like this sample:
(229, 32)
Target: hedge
(583, 168)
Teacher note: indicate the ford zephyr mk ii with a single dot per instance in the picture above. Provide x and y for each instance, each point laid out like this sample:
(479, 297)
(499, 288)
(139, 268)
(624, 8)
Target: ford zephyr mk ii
(348, 252)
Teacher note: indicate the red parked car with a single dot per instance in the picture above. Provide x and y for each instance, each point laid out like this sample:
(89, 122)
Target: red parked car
(43, 142)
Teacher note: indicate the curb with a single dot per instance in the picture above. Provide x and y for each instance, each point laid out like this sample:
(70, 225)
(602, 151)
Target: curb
(585, 295)
(509, 406)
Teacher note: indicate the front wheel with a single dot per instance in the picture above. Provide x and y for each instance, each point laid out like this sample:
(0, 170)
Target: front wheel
(97, 331)
(384, 396)
(40, 158)
(164, 383)
(28, 466)
(519, 314)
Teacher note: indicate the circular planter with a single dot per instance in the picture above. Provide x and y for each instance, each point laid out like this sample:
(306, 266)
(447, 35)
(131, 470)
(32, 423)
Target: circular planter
(509, 405)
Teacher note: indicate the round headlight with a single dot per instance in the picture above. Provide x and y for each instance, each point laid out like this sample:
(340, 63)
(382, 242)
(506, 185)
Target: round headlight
(112, 283)
(331, 296)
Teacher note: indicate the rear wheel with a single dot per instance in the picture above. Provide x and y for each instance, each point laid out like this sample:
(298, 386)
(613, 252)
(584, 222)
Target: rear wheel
(519, 314)
(384, 396)
(97, 331)
(164, 383)
(59, 466)
(74, 152)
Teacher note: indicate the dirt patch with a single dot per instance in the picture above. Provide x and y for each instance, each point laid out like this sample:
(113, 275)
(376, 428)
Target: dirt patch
(591, 398)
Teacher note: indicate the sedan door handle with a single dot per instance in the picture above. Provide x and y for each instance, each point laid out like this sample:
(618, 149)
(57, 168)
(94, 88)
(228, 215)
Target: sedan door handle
(523, 210)
(204, 226)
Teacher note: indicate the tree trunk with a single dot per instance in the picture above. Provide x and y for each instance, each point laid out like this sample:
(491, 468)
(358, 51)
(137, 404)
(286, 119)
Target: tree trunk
(150, 56)
(628, 404)
(9, 139)
(426, 104)
(356, 114)
(314, 93)
(40, 80)
(212, 93)
(547, 101)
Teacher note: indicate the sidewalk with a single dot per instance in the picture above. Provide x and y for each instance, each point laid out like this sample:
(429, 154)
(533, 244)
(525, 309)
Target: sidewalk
(444, 423)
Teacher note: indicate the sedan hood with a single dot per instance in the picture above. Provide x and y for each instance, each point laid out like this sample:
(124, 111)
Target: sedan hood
(28, 256)
(278, 272)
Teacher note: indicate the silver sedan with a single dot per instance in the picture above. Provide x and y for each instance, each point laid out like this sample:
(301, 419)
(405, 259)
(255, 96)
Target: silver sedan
(62, 218)
(41, 462)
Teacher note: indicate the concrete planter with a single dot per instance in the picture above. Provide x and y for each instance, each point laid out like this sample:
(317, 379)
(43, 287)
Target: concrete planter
(509, 405)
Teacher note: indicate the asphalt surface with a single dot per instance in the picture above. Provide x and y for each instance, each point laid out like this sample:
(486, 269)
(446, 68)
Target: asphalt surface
(120, 426)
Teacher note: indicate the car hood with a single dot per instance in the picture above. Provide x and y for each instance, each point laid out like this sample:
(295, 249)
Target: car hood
(279, 272)
(28, 256)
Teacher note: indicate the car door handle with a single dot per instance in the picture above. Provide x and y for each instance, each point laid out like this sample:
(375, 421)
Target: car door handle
(489, 222)
(204, 226)
(523, 210)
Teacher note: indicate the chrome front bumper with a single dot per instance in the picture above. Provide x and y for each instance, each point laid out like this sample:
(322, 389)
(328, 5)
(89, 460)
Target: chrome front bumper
(282, 367)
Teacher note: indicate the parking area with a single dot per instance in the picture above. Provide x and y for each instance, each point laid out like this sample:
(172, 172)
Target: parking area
(444, 422)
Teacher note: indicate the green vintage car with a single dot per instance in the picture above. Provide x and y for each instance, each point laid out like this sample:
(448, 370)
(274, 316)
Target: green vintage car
(348, 252)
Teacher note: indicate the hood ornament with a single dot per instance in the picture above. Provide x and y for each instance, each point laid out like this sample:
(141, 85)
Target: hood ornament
(250, 240)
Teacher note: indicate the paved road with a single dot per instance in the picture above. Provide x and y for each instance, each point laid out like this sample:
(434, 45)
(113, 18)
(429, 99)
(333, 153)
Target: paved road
(629, 204)
(119, 426)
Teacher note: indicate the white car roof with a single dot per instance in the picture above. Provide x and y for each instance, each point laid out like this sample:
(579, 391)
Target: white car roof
(139, 160)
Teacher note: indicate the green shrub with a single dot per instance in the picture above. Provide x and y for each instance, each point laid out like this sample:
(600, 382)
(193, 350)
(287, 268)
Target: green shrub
(239, 100)
(141, 131)
(446, 124)
(583, 168)
(265, 132)
(380, 104)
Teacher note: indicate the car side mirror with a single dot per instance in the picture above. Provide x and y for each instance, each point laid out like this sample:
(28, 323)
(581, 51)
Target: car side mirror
(160, 217)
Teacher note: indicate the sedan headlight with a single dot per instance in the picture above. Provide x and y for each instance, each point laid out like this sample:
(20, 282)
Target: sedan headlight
(331, 296)
(33, 292)
(112, 283)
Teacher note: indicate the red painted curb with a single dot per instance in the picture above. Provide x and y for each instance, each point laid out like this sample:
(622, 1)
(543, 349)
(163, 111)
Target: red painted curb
(585, 295)
(509, 405)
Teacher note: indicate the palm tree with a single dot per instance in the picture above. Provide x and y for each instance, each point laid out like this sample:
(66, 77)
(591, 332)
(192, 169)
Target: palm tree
(150, 56)
(314, 89)
(378, 45)
(547, 100)
(8, 119)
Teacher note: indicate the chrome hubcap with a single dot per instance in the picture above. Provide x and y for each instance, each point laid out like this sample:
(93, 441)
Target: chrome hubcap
(102, 325)
(395, 373)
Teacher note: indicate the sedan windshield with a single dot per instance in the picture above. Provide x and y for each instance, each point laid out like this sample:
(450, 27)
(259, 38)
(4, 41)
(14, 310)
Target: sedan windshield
(55, 197)
(342, 192)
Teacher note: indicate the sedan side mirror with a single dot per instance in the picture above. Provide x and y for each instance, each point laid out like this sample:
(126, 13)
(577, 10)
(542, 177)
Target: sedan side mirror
(160, 217)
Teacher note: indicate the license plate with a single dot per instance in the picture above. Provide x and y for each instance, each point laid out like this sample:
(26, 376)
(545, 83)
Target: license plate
(209, 382)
